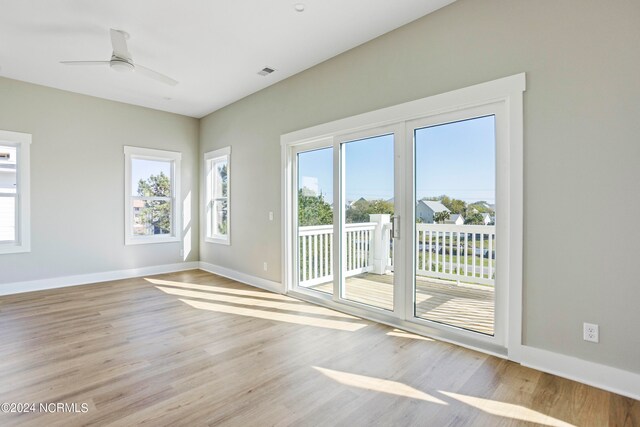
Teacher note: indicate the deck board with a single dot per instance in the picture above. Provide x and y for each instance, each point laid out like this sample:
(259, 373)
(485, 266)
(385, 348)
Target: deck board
(464, 306)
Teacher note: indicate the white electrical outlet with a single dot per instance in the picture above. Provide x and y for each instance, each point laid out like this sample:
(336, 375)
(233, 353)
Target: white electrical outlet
(270, 216)
(264, 266)
(591, 332)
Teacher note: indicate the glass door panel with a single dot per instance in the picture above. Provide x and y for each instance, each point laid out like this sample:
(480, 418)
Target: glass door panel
(368, 203)
(455, 234)
(8, 193)
(314, 193)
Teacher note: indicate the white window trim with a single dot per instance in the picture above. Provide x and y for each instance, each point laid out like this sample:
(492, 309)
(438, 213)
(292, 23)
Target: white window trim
(210, 158)
(22, 243)
(508, 93)
(176, 218)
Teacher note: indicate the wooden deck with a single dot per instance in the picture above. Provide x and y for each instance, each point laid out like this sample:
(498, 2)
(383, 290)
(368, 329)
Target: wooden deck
(464, 306)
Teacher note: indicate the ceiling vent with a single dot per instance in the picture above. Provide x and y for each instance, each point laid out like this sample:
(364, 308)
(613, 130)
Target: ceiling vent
(266, 71)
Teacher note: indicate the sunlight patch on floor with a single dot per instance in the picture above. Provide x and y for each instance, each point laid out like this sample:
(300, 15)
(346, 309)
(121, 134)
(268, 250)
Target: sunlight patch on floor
(226, 290)
(299, 319)
(403, 334)
(256, 302)
(378, 385)
(507, 410)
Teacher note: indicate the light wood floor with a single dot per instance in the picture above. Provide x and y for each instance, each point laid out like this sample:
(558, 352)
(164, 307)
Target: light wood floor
(465, 306)
(195, 349)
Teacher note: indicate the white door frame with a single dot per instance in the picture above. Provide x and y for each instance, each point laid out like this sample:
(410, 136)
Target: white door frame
(501, 288)
(505, 92)
(397, 130)
(294, 150)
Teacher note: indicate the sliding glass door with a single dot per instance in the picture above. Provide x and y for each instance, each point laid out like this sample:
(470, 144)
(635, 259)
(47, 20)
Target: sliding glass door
(314, 240)
(368, 207)
(346, 219)
(455, 214)
(399, 222)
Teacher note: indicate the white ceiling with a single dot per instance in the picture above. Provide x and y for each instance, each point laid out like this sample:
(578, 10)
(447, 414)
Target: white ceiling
(214, 48)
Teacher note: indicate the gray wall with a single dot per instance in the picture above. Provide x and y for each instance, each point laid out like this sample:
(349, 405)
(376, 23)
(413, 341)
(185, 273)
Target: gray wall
(582, 155)
(77, 180)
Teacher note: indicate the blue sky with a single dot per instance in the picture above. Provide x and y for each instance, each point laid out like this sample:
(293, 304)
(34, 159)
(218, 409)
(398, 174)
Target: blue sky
(318, 164)
(456, 159)
(143, 169)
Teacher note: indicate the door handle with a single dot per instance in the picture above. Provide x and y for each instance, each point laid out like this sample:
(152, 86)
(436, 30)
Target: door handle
(395, 227)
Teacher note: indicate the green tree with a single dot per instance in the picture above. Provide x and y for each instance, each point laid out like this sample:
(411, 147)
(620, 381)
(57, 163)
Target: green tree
(456, 206)
(481, 207)
(313, 210)
(474, 218)
(360, 210)
(441, 217)
(156, 212)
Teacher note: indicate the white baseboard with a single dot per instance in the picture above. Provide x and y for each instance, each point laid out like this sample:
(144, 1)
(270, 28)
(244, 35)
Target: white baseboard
(84, 279)
(594, 374)
(242, 277)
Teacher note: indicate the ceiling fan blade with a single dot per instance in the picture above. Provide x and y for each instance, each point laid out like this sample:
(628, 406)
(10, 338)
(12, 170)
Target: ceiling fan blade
(85, 62)
(155, 75)
(119, 43)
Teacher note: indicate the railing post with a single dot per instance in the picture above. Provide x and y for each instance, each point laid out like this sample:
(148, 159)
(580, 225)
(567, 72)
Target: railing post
(379, 250)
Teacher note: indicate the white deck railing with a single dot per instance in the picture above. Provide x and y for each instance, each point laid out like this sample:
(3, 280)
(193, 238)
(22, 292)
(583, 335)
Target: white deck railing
(316, 251)
(456, 252)
(463, 253)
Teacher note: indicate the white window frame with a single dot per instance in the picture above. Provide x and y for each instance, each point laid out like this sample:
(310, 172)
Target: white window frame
(210, 159)
(506, 95)
(174, 157)
(22, 242)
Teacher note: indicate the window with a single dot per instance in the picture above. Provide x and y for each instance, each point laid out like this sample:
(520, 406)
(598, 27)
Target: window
(14, 192)
(217, 203)
(151, 190)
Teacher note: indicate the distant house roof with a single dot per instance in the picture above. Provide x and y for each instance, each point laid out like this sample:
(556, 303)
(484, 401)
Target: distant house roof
(360, 200)
(435, 206)
(455, 219)
(487, 218)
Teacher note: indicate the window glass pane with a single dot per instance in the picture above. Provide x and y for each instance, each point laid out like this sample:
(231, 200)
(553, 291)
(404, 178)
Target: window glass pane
(220, 217)
(8, 186)
(367, 259)
(455, 224)
(220, 183)
(8, 163)
(150, 178)
(151, 217)
(7, 219)
(315, 220)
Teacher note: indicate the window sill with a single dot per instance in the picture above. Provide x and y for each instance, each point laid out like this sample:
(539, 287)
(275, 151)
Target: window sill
(226, 242)
(130, 241)
(12, 248)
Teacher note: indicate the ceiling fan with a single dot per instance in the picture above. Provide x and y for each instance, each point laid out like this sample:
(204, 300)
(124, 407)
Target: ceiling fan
(121, 60)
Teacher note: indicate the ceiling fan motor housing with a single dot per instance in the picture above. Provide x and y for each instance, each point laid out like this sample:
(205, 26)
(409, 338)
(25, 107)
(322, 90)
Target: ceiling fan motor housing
(121, 65)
